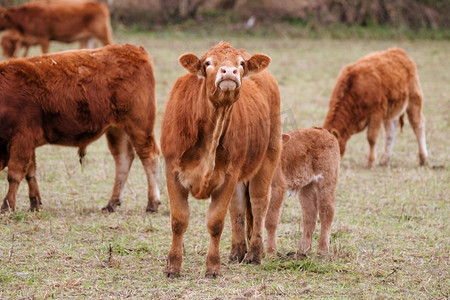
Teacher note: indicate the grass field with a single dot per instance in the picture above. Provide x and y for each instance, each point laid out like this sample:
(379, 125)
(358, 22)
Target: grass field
(390, 237)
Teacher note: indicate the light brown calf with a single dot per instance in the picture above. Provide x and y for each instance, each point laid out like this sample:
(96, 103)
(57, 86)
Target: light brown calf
(309, 166)
(221, 127)
(377, 89)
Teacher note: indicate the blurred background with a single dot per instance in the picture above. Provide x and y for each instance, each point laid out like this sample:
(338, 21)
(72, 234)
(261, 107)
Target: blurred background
(296, 18)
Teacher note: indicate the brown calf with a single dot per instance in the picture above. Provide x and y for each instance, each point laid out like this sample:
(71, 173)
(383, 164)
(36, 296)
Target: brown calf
(64, 21)
(221, 126)
(72, 98)
(309, 166)
(377, 89)
(12, 41)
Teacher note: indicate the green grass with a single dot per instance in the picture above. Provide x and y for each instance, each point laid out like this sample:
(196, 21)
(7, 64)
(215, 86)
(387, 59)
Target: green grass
(390, 237)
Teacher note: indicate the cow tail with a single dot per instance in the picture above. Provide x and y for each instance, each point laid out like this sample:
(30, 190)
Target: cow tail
(402, 122)
(248, 216)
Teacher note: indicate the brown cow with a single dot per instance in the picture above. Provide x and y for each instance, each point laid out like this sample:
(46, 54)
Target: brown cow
(221, 126)
(71, 98)
(64, 21)
(377, 89)
(309, 166)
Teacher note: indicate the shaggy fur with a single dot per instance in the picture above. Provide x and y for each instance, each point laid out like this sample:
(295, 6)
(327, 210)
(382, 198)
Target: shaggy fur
(377, 89)
(72, 98)
(64, 21)
(309, 166)
(221, 127)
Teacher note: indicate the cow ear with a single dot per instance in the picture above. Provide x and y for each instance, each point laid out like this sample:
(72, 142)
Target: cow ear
(257, 63)
(191, 63)
(334, 132)
(285, 137)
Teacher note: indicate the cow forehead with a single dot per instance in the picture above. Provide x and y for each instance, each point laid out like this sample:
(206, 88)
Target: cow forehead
(222, 52)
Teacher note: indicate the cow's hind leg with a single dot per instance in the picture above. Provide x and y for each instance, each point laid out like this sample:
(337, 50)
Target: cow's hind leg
(325, 202)
(373, 130)
(237, 217)
(390, 130)
(33, 188)
(272, 218)
(19, 161)
(308, 201)
(417, 121)
(123, 153)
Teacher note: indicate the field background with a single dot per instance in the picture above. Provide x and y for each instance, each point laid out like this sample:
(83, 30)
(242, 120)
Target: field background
(390, 237)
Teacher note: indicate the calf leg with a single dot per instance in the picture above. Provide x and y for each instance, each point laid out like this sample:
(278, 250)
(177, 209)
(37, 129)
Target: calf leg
(215, 220)
(417, 121)
(33, 188)
(179, 216)
(18, 164)
(308, 201)
(237, 217)
(325, 199)
(390, 130)
(272, 219)
(123, 153)
(373, 130)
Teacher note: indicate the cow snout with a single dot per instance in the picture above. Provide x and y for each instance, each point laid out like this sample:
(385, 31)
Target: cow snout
(228, 78)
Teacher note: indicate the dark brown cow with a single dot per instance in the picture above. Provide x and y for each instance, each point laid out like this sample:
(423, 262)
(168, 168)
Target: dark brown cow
(64, 21)
(378, 89)
(71, 98)
(221, 127)
(309, 166)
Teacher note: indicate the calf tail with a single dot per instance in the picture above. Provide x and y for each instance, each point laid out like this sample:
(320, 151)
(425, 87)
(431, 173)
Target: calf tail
(81, 154)
(248, 216)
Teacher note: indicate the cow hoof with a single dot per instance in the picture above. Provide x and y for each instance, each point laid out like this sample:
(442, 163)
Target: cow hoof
(301, 256)
(34, 208)
(152, 206)
(236, 257)
(213, 275)
(171, 274)
(108, 209)
(252, 260)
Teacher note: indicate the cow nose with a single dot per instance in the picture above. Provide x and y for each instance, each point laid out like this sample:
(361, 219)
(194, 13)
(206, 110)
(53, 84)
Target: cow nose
(228, 70)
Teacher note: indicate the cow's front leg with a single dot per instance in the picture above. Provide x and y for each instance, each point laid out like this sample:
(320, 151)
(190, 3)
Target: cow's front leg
(215, 220)
(179, 215)
(18, 164)
(373, 130)
(237, 217)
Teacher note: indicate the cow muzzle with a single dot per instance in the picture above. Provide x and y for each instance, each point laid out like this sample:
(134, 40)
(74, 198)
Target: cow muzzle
(228, 79)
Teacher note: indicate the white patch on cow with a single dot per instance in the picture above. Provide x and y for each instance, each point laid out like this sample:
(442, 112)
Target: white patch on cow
(240, 65)
(317, 177)
(210, 61)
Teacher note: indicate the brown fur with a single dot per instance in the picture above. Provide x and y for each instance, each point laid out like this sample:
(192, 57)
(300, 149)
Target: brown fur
(377, 89)
(72, 98)
(309, 166)
(213, 139)
(12, 41)
(64, 21)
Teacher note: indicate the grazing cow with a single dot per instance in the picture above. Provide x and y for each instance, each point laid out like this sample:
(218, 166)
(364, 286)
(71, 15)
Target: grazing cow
(71, 98)
(377, 89)
(309, 166)
(64, 21)
(221, 127)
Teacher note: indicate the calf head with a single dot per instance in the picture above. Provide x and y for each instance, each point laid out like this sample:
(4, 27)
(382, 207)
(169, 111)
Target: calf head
(223, 68)
(9, 45)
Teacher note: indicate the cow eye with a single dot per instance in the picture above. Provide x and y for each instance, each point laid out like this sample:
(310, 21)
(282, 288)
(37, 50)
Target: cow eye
(208, 63)
(242, 64)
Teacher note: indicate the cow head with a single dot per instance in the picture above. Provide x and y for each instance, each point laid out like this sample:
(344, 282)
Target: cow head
(341, 140)
(223, 68)
(9, 45)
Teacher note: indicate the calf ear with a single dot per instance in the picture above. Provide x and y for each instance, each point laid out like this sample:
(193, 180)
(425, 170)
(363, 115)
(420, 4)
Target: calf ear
(334, 132)
(257, 63)
(285, 137)
(191, 63)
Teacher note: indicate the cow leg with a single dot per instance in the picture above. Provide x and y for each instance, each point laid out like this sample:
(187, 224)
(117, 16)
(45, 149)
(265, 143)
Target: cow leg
(390, 130)
(33, 188)
(272, 219)
(417, 121)
(259, 199)
(325, 201)
(18, 165)
(373, 130)
(237, 217)
(45, 45)
(179, 216)
(308, 201)
(83, 43)
(123, 154)
(215, 220)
